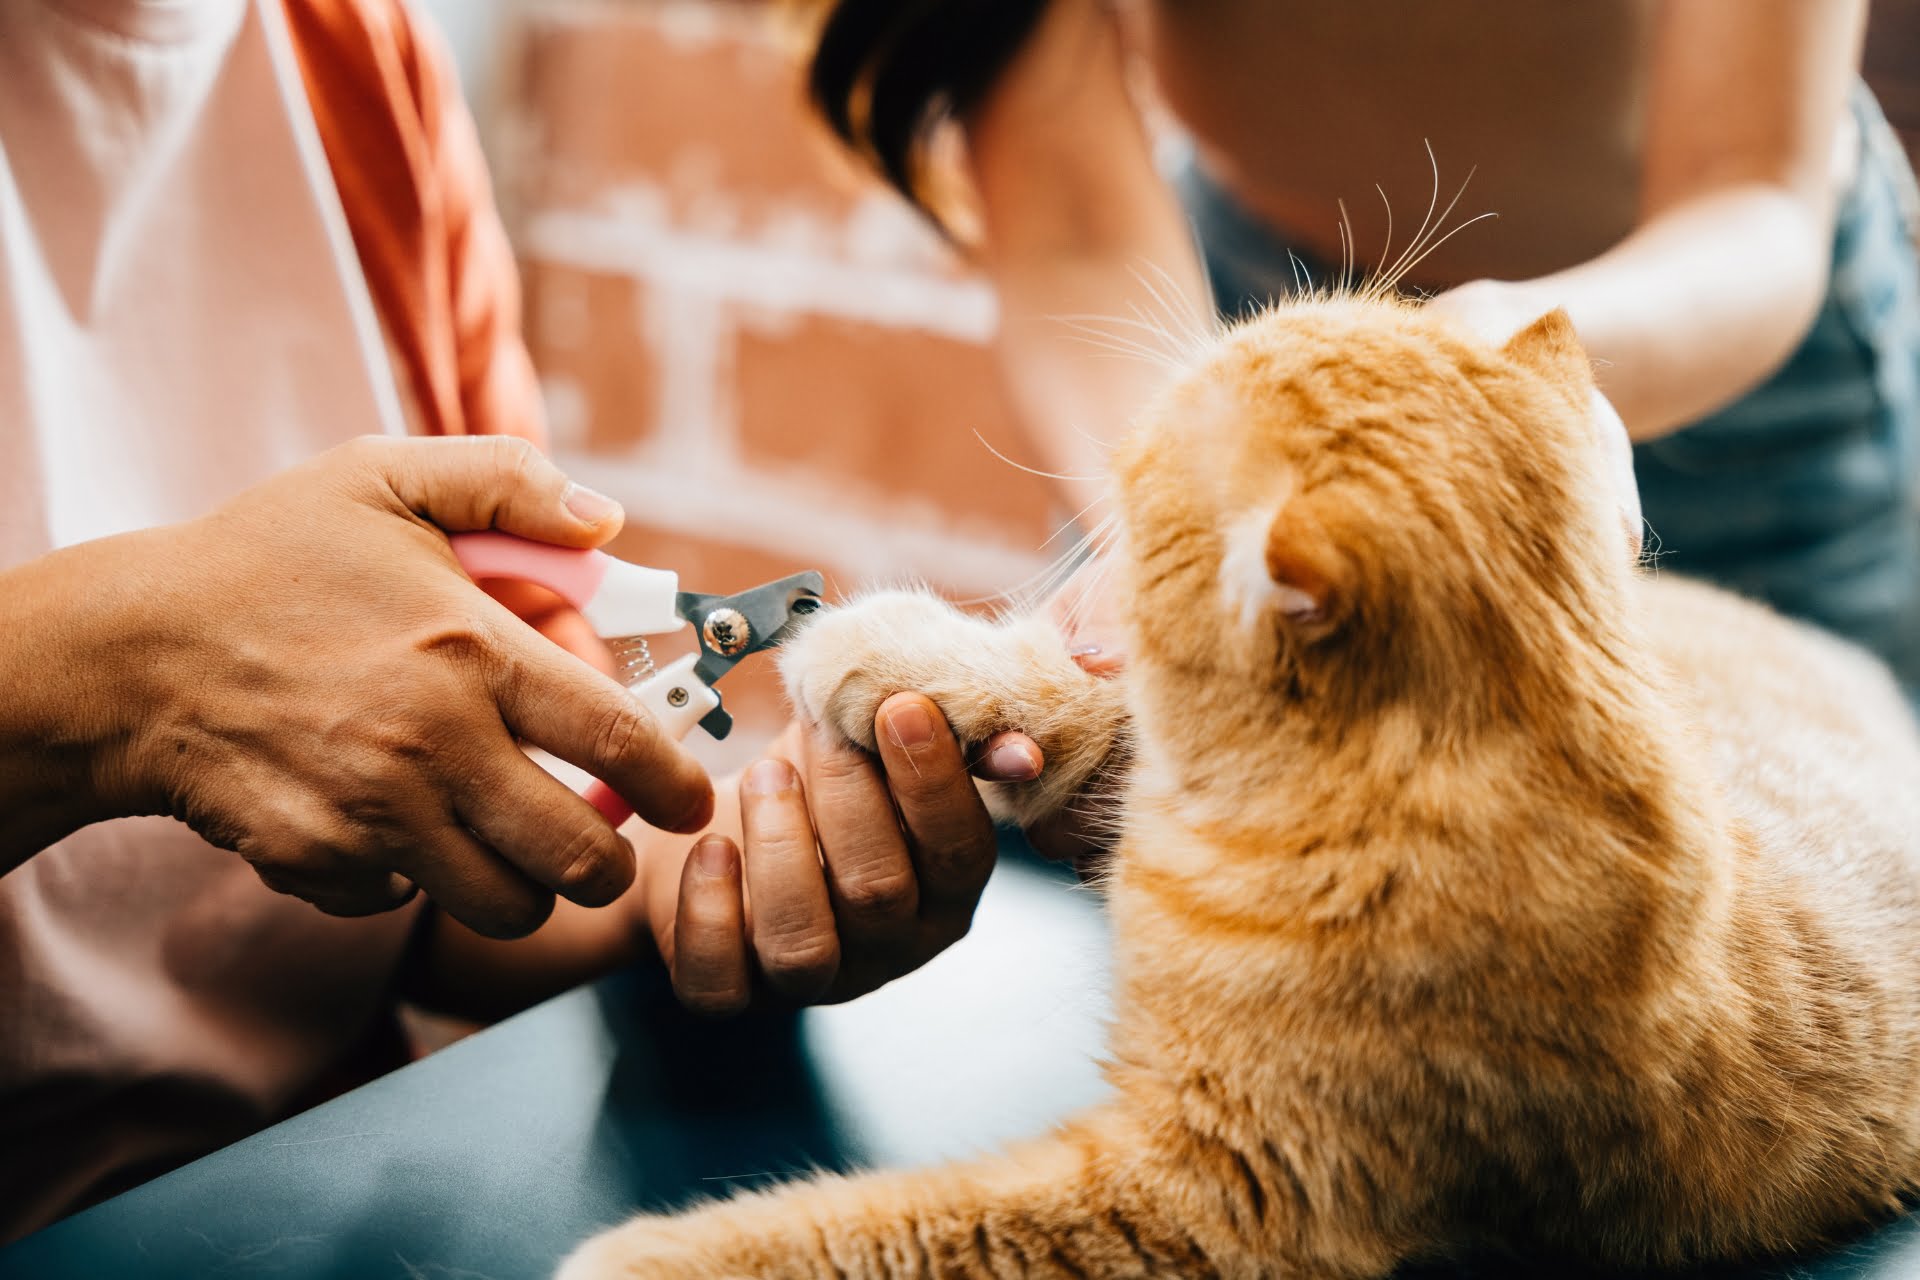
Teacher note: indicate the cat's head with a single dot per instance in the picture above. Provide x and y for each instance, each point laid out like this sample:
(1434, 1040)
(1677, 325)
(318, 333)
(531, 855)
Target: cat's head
(1351, 503)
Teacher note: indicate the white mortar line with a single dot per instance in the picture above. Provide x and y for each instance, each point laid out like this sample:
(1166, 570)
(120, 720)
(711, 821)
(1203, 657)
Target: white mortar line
(757, 276)
(685, 332)
(791, 516)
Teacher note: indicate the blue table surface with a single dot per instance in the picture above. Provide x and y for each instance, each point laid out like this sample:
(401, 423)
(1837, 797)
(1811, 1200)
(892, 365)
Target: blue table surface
(491, 1158)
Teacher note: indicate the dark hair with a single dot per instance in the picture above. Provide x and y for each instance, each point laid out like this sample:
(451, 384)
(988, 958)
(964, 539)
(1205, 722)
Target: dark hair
(886, 73)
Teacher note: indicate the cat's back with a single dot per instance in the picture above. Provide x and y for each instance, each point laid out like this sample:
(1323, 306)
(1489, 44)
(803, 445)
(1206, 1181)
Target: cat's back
(1810, 739)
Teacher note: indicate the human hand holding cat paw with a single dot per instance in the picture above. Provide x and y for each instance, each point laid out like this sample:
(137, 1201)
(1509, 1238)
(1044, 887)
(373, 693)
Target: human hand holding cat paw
(307, 677)
(849, 871)
(1088, 617)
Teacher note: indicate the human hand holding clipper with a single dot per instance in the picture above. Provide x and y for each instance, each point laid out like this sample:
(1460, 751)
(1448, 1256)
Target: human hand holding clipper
(308, 678)
(628, 603)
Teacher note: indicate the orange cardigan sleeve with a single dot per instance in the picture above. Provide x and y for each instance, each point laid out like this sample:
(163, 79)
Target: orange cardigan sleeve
(406, 160)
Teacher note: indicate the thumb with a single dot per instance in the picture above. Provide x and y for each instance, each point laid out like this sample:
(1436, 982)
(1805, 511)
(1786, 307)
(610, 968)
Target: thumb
(467, 483)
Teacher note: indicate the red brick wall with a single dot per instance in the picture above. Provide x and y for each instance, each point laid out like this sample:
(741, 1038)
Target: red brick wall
(769, 359)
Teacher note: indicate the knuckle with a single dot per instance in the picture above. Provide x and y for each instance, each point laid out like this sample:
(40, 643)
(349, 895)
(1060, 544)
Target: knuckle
(330, 844)
(802, 964)
(623, 732)
(882, 895)
(836, 762)
(711, 999)
(592, 870)
(396, 739)
(463, 639)
(517, 459)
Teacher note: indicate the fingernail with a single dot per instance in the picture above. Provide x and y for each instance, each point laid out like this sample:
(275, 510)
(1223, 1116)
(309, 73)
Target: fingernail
(589, 507)
(910, 727)
(769, 777)
(1013, 762)
(713, 856)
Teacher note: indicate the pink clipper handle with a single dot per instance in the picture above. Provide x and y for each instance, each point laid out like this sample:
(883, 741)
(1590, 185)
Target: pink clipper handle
(573, 574)
(608, 802)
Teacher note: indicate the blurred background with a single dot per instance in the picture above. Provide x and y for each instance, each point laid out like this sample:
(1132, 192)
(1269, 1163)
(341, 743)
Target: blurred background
(765, 355)
(770, 360)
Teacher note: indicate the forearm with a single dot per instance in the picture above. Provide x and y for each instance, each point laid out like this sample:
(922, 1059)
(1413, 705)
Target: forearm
(1726, 271)
(66, 637)
(1086, 245)
(1698, 306)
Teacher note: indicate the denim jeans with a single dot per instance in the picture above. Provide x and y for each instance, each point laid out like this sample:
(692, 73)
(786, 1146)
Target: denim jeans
(1804, 493)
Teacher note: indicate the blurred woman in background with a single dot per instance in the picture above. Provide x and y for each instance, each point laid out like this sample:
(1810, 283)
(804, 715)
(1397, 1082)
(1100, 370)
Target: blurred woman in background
(1704, 185)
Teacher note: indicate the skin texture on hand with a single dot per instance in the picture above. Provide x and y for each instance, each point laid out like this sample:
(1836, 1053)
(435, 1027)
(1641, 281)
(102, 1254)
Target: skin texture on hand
(321, 689)
(849, 872)
(752, 912)
(827, 872)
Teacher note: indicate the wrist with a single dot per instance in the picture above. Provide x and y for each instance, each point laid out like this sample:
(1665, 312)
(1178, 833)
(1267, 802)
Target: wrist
(77, 647)
(117, 654)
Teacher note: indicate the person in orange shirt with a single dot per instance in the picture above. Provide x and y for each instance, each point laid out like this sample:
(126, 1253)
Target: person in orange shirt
(259, 350)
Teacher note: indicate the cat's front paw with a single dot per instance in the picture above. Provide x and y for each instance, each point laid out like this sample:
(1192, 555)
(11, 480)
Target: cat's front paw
(985, 676)
(848, 660)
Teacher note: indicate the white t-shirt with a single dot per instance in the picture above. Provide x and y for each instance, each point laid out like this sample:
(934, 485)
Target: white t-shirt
(181, 315)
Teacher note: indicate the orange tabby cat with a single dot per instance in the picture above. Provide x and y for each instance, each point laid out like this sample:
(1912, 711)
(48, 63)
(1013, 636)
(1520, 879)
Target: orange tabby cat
(1477, 890)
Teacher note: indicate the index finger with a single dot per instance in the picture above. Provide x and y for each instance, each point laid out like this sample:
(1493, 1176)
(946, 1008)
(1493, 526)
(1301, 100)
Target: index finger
(560, 704)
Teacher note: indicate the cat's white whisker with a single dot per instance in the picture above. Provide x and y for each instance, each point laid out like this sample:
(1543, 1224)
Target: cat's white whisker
(1086, 329)
(1023, 595)
(1372, 289)
(1172, 344)
(1073, 521)
(1391, 274)
(1019, 466)
(1302, 281)
(1479, 217)
(1425, 243)
(1186, 318)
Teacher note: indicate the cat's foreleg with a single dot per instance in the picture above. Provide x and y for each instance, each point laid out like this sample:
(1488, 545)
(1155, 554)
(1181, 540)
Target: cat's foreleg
(986, 676)
(1065, 1207)
(1105, 1197)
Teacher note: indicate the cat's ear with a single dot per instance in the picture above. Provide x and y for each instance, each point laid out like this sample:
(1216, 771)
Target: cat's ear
(1551, 348)
(1308, 568)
